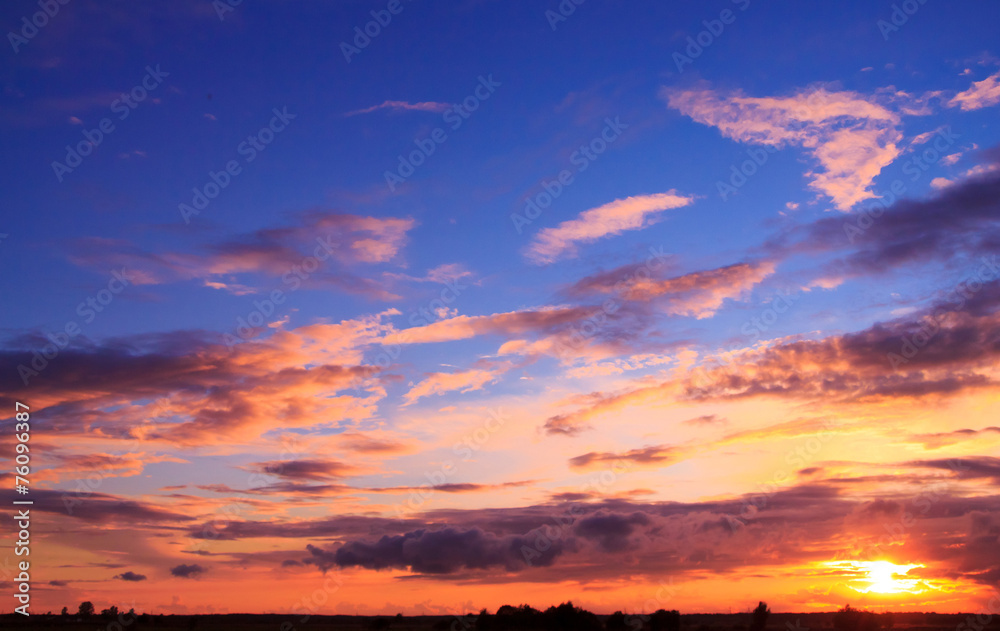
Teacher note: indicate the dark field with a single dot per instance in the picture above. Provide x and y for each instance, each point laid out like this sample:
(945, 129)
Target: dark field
(275, 622)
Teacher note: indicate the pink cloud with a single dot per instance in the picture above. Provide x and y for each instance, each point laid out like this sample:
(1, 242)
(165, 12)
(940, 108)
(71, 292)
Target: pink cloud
(631, 213)
(982, 94)
(852, 137)
(461, 381)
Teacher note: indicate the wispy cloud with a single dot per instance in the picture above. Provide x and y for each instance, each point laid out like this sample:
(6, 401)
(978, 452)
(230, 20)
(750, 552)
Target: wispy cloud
(982, 94)
(851, 136)
(403, 106)
(631, 213)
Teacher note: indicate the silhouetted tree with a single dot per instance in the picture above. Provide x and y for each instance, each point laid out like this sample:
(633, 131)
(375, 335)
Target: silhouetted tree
(566, 617)
(760, 614)
(65, 612)
(110, 613)
(484, 621)
(851, 619)
(616, 622)
(86, 609)
(663, 620)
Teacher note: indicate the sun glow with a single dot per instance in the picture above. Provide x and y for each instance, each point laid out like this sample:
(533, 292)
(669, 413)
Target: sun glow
(880, 577)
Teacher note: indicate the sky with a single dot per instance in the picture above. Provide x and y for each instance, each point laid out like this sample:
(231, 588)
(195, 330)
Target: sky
(428, 306)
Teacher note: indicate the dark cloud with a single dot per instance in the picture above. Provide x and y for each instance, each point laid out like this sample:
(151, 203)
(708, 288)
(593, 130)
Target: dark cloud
(962, 219)
(443, 551)
(659, 455)
(307, 469)
(131, 576)
(966, 467)
(611, 531)
(187, 571)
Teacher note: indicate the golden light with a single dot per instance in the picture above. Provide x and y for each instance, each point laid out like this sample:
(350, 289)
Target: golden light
(880, 577)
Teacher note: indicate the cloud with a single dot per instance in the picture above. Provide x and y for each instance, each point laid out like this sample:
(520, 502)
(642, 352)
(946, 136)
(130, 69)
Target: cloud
(659, 455)
(307, 469)
(336, 243)
(461, 381)
(184, 388)
(960, 219)
(187, 571)
(403, 106)
(631, 213)
(443, 551)
(803, 523)
(510, 323)
(943, 439)
(708, 419)
(698, 294)
(131, 576)
(982, 94)
(852, 137)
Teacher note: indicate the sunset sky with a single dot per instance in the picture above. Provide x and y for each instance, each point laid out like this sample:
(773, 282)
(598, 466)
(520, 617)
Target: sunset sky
(680, 304)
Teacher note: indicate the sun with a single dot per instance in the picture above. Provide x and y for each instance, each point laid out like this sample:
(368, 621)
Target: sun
(880, 577)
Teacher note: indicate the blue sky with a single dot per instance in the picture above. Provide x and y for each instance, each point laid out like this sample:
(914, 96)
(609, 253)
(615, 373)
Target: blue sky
(838, 107)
